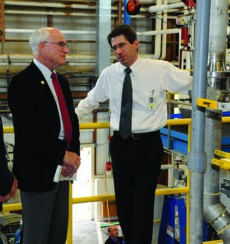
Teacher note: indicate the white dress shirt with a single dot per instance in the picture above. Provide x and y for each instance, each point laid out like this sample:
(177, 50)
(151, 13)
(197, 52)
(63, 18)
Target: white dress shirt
(150, 81)
(47, 74)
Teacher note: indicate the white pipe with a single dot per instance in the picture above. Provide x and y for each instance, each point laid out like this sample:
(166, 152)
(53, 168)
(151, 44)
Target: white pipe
(160, 8)
(17, 57)
(72, 32)
(51, 5)
(160, 32)
(63, 13)
(151, 33)
(48, 12)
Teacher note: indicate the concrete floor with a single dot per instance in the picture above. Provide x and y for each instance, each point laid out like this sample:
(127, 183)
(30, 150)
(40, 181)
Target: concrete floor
(89, 232)
(85, 232)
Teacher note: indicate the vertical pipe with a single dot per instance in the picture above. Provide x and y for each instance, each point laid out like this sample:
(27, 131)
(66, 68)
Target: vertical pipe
(196, 158)
(215, 213)
(127, 19)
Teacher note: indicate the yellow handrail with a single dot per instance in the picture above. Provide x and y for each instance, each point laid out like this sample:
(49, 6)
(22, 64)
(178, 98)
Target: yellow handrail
(110, 197)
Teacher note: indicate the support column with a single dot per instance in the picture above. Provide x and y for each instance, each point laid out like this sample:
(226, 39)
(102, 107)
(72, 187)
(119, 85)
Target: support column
(103, 25)
(197, 158)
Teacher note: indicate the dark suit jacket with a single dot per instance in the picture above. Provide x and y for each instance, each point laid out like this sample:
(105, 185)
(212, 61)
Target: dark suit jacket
(2, 145)
(6, 180)
(37, 149)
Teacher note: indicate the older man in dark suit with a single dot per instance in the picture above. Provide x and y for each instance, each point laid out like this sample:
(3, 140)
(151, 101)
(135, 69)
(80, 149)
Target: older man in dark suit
(46, 139)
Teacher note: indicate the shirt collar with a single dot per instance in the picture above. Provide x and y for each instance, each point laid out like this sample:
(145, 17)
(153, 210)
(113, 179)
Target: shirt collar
(45, 71)
(133, 67)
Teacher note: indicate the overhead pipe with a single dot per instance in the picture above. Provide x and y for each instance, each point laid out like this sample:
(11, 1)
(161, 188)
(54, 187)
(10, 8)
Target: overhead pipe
(196, 157)
(163, 7)
(159, 32)
(215, 213)
(5, 58)
(48, 12)
(49, 5)
(69, 32)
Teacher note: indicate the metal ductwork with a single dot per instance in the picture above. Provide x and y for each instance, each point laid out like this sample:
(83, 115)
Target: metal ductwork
(215, 213)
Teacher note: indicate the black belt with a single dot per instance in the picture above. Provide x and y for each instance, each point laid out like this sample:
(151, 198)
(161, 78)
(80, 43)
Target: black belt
(138, 136)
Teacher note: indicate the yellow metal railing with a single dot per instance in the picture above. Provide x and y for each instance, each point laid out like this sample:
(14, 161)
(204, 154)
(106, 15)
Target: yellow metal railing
(110, 197)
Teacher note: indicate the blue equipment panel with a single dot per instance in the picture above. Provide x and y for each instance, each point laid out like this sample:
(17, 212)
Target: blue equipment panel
(176, 138)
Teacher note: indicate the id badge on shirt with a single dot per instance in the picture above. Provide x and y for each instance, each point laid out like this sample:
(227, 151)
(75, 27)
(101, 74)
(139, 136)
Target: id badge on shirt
(152, 103)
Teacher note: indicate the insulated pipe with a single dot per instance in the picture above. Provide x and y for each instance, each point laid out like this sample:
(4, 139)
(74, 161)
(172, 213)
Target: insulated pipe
(69, 32)
(196, 158)
(156, 32)
(159, 32)
(4, 58)
(215, 212)
(48, 4)
(160, 8)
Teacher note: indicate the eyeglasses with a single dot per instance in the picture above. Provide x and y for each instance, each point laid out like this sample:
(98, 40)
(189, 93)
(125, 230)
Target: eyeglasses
(121, 46)
(61, 44)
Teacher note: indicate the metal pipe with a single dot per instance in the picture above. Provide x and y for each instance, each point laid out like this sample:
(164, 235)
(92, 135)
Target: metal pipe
(49, 4)
(17, 57)
(160, 8)
(157, 32)
(69, 32)
(196, 158)
(127, 18)
(156, 55)
(215, 212)
(217, 35)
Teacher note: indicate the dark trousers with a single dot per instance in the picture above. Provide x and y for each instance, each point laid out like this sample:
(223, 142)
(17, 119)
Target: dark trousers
(136, 167)
(45, 215)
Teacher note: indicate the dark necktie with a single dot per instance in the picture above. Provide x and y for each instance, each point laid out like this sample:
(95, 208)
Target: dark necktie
(64, 111)
(125, 128)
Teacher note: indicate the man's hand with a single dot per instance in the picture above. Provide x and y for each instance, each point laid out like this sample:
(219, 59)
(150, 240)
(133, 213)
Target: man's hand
(14, 188)
(71, 164)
